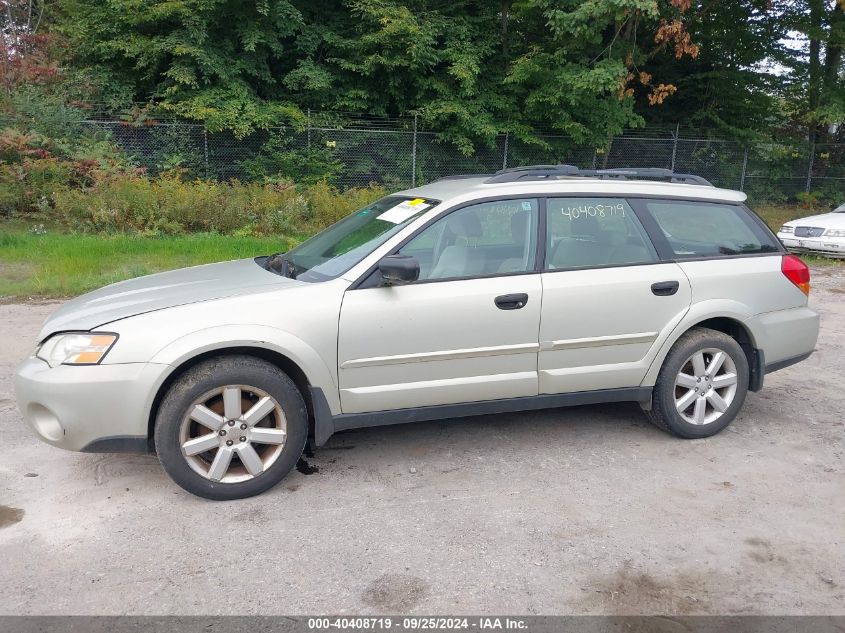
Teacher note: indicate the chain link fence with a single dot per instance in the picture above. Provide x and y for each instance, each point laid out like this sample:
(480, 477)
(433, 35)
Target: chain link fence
(397, 153)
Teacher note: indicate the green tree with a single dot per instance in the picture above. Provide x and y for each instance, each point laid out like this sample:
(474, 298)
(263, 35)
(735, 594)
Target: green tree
(213, 60)
(469, 68)
(730, 86)
(815, 84)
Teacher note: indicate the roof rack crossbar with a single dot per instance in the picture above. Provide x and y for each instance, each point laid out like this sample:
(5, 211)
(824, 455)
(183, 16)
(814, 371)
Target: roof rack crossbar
(533, 172)
(547, 172)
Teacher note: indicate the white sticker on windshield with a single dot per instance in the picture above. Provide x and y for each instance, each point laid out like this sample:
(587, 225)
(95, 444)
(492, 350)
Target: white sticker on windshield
(404, 210)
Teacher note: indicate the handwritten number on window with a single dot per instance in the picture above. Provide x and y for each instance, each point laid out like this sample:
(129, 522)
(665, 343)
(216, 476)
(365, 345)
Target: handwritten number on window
(593, 211)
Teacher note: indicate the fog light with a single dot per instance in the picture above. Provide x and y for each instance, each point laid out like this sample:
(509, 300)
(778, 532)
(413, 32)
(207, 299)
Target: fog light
(45, 422)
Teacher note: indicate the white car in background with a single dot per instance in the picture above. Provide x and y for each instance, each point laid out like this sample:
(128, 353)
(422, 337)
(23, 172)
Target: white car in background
(823, 233)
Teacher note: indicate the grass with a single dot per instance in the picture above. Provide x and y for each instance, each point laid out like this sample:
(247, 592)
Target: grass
(59, 264)
(68, 264)
(776, 216)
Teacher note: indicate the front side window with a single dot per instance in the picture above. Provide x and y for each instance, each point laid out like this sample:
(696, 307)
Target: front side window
(332, 252)
(707, 229)
(594, 232)
(484, 239)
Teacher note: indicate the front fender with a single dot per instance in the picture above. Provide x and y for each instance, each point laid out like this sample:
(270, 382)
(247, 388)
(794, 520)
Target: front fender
(698, 312)
(222, 337)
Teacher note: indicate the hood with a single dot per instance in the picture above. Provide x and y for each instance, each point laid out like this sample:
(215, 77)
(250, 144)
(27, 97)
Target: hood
(163, 290)
(825, 220)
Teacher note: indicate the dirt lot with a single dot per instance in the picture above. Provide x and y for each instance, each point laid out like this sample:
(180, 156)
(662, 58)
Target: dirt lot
(583, 510)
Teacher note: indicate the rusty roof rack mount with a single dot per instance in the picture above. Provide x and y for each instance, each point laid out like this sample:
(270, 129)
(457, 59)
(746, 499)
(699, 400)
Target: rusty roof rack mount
(551, 172)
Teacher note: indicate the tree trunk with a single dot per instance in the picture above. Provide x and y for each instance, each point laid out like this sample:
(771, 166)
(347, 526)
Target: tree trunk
(834, 49)
(815, 34)
(505, 10)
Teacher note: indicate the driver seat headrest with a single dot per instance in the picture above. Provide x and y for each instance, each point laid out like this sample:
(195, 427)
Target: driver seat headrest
(465, 224)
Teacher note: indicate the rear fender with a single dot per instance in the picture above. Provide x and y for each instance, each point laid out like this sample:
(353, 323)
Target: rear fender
(698, 312)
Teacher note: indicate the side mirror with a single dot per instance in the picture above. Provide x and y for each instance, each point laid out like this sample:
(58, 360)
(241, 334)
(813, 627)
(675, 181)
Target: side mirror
(398, 270)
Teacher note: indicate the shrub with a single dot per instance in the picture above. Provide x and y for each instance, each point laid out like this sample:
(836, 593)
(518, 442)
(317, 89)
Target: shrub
(329, 206)
(85, 183)
(279, 158)
(45, 112)
(33, 167)
(809, 199)
(29, 185)
(169, 205)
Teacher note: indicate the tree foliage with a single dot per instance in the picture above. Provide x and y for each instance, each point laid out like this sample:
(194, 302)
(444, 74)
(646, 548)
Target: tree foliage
(470, 69)
(815, 86)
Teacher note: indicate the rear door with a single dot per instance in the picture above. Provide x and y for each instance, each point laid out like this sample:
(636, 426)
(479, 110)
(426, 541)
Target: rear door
(608, 302)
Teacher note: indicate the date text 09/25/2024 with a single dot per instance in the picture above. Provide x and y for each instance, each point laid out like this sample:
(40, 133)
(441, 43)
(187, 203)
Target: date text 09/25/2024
(416, 623)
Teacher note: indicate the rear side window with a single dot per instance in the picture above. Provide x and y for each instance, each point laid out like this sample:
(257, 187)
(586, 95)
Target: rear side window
(594, 232)
(706, 229)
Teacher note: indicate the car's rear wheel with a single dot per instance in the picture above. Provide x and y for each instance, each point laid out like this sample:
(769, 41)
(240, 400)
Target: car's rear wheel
(231, 427)
(701, 386)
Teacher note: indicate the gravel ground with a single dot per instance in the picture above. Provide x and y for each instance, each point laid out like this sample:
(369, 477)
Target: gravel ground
(587, 510)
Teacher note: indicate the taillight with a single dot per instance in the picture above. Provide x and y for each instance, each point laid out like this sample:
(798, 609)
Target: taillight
(797, 272)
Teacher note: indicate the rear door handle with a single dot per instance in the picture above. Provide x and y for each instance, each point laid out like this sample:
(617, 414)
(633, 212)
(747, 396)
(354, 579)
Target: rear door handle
(665, 288)
(511, 302)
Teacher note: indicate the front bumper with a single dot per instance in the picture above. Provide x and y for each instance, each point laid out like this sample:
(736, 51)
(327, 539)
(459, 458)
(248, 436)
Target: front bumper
(93, 408)
(826, 245)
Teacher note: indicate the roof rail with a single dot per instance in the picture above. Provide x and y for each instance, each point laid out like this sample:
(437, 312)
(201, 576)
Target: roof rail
(546, 172)
(462, 177)
(533, 172)
(647, 172)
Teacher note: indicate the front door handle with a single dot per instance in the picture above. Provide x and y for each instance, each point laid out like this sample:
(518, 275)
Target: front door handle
(511, 302)
(665, 288)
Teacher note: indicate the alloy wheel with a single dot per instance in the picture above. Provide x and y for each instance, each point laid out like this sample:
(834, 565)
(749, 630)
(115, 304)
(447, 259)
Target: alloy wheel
(705, 386)
(233, 433)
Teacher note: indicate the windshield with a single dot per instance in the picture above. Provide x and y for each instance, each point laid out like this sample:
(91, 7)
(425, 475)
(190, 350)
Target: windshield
(332, 252)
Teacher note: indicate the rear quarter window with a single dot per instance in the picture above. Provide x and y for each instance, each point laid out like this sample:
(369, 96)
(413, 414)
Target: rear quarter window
(708, 229)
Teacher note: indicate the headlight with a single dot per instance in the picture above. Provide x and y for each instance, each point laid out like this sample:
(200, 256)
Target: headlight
(76, 349)
(835, 233)
(786, 229)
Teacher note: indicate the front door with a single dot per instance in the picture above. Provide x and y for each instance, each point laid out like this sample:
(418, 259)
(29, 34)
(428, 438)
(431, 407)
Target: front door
(608, 303)
(466, 331)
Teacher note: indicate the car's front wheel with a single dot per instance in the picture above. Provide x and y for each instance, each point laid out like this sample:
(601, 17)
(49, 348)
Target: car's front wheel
(701, 386)
(231, 427)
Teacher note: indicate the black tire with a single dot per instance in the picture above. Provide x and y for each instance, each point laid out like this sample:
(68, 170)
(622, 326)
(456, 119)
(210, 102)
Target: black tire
(664, 414)
(210, 375)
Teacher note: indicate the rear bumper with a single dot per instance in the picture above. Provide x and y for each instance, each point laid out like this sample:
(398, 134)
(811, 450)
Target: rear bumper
(786, 362)
(785, 336)
(761, 368)
(98, 408)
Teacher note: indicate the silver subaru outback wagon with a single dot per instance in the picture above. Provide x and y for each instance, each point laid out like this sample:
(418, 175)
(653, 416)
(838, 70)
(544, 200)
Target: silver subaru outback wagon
(535, 287)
